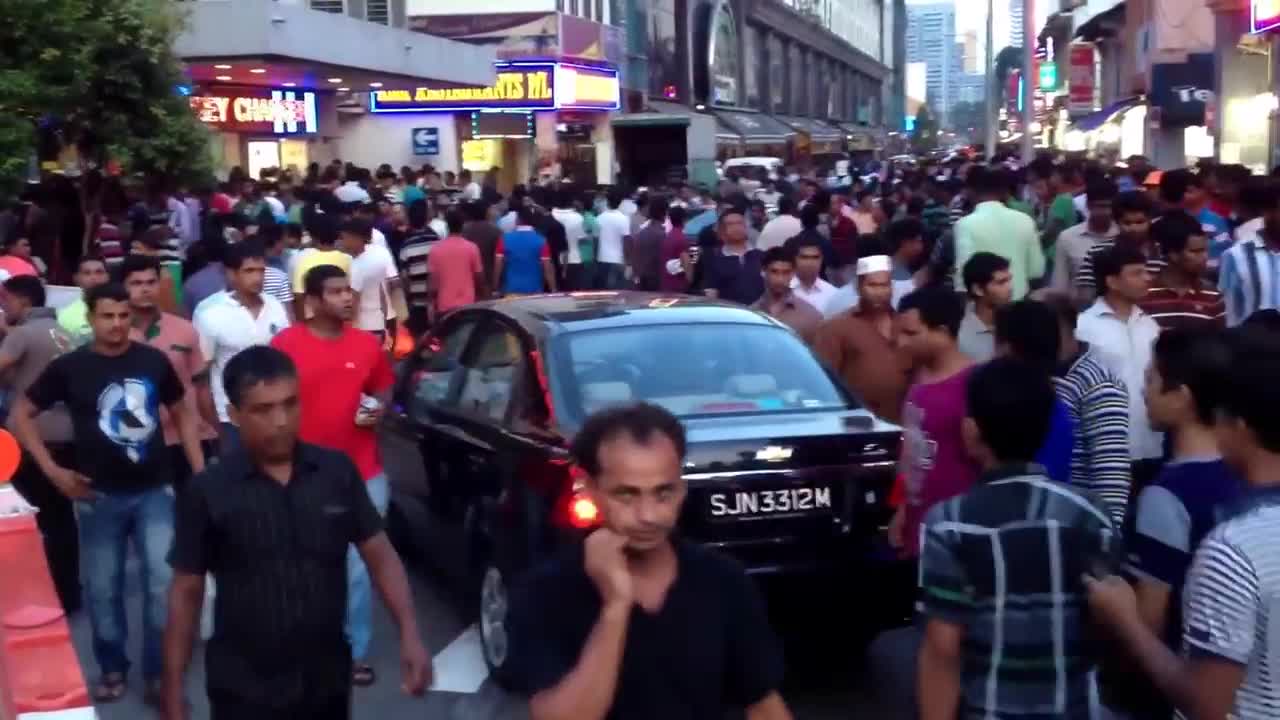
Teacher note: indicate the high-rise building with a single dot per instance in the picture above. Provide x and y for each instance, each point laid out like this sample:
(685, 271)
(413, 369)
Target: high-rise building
(1015, 23)
(931, 39)
(972, 51)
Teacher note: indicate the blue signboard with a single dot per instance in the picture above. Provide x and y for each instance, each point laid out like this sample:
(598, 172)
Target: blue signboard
(426, 141)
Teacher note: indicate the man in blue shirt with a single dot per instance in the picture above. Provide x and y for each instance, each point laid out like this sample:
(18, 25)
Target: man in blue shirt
(522, 260)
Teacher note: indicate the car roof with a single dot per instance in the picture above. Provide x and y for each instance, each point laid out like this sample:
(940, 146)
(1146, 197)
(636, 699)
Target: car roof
(558, 313)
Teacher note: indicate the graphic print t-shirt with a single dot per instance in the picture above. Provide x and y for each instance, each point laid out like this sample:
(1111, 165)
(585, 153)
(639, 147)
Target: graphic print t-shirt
(115, 413)
(935, 466)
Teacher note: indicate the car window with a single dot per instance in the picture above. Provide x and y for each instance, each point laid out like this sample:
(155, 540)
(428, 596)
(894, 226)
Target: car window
(438, 365)
(490, 369)
(691, 370)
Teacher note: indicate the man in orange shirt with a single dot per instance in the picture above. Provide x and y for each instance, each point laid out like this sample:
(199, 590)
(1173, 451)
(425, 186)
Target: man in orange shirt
(177, 339)
(455, 275)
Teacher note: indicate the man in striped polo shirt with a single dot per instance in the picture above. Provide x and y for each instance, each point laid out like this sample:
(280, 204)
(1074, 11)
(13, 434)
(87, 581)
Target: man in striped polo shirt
(1133, 212)
(1231, 648)
(1006, 632)
(1179, 296)
(1249, 276)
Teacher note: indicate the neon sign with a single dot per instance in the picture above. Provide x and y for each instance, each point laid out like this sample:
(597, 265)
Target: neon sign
(282, 112)
(522, 86)
(1264, 15)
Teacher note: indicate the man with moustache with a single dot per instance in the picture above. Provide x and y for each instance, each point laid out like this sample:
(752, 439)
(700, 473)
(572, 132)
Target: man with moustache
(618, 627)
(858, 344)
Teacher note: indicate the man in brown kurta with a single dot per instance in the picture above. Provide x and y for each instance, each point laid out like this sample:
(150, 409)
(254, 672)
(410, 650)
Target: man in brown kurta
(780, 302)
(859, 344)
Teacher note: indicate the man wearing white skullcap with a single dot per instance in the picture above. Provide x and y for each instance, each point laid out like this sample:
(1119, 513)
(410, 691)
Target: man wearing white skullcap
(859, 343)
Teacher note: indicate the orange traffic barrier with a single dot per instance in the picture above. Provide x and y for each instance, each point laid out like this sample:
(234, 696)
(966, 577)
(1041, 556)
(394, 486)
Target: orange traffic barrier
(40, 675)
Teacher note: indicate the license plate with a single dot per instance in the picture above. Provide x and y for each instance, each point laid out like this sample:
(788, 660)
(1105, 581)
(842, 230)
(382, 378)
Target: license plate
(761, 503)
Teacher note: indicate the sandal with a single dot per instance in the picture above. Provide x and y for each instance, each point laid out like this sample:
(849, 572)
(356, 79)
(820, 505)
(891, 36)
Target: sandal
(362, 675)
(110, 688)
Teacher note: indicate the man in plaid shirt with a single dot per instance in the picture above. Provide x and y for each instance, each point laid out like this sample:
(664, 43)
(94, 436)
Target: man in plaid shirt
(1006, 633)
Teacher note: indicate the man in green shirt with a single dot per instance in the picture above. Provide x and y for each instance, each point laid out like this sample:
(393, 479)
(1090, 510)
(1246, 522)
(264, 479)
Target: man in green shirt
(91, 272)
(994, 228)
(1052, 185)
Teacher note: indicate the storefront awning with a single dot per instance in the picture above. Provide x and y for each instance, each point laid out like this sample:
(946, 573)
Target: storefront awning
(1104, 22)
(1097, 119)
(817, 130)
(656, 114)
(753, 128)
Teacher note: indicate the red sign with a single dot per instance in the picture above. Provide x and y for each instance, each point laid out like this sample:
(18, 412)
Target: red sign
(279, 112)
(1080, 81)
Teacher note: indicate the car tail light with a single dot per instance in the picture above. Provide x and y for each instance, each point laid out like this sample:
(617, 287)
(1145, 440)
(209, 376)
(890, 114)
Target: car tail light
(578, 510)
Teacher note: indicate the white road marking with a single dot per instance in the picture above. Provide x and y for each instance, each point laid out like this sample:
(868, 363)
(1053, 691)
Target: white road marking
(460, 667)
(81, 713)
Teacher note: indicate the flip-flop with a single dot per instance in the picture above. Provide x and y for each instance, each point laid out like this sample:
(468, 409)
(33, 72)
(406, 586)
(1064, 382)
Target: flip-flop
(362, 675)
(110, 688)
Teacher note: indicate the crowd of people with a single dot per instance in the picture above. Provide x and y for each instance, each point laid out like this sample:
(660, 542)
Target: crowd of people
(1079, 357)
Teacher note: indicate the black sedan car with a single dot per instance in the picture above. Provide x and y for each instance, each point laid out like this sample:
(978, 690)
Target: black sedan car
(785, 471)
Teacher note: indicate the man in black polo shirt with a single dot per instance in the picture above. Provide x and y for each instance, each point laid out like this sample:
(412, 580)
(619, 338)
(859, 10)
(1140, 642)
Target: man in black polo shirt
(272, 522)
(635, 624)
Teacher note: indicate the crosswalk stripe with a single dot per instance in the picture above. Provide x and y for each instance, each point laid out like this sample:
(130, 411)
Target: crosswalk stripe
(460, 667)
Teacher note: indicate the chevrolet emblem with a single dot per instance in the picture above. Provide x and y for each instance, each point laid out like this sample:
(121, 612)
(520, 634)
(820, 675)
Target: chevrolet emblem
(774, 453)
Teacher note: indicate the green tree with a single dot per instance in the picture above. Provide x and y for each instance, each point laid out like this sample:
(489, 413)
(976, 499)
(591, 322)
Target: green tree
(100, 76)
(925, 135)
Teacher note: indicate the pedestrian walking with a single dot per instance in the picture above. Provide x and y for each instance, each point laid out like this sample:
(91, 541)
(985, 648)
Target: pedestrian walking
(1179, 296)
(372, 268)
(344, 383)
(988, 284)
(121, 478)
(808, 283)
(91, 271)
(522, 261)
(617, 626)
(455, 271)
(994, 228)
(271, 522)
(780, 302)
(733, 271)
(1133, 213)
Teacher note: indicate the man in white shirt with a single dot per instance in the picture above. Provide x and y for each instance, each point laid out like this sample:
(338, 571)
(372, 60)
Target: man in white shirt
(1122, 335)
(781, 228)
(372, 269)
(614, 228)
(574, 233)
(1075, 243)
(806, 284)
(234, 319)
(351, 192)
(470, 188)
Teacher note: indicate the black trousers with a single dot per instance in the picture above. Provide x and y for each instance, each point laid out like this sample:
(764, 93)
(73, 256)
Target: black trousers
(57, 523)
(223, 706)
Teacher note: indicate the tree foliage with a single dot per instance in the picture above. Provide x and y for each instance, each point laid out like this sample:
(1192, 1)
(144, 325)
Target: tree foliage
(924, 137)
(100, 76)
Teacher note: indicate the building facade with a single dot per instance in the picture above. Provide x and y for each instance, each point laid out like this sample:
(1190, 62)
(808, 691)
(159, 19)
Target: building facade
(931, 39)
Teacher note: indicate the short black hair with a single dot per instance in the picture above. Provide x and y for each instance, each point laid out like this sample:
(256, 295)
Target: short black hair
(781, 253)
(28, 287)
(270, 233)
(641, 421)
(1174, 229)
(1101, 190)
(1266, 320)
(293, 230)
(454, 220)
(938, 308)
(1011, 401)
(1197, 360)
(808, 240)
(241, 252)
(1250, 392)
(252, 366)
(1131, 202)
(614, 197)
(676, 214)
(900, 231)
(359, 227)
(1064, 308)
(1030, 329)
(658, 208)
(1174, 184)
(138, 263)
(991, 181)
(980, 269)
(90, 258)
(313, 281)
(731, 210)
(107, 291)
(810, 216)
(1112, 262)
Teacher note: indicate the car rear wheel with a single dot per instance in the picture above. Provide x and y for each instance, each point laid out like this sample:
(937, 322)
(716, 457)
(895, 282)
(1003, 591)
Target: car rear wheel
(493, 620)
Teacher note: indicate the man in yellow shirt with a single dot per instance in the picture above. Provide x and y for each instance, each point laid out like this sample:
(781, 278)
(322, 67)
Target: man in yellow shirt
(324, 235)
(91, 271)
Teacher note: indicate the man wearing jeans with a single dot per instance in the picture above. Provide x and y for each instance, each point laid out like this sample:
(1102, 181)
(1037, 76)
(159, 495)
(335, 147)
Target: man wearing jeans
(344, 381)
(114, 390)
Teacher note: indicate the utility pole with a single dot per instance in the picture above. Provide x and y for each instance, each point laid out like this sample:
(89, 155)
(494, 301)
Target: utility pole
(992, 91)
(1029, 78)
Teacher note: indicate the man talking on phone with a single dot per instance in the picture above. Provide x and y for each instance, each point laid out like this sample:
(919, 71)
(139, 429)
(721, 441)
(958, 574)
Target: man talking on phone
(635, 623)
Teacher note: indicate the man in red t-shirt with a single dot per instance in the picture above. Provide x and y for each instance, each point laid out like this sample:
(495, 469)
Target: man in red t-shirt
(455, 275)
(338, 368)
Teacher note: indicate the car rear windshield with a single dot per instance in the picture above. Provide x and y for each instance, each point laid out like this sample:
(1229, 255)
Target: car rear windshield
(691, 370)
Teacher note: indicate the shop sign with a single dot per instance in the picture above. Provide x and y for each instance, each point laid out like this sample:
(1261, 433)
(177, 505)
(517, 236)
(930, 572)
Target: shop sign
(1264, 15)
(426, 141)
(1080, 83)
(1183, 91)
(278, 112)
(527, 87)
(1048, 76)
(523, 86)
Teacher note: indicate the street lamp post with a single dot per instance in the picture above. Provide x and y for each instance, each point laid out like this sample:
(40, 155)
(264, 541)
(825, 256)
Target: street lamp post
(1029, 81)
(992, 90)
